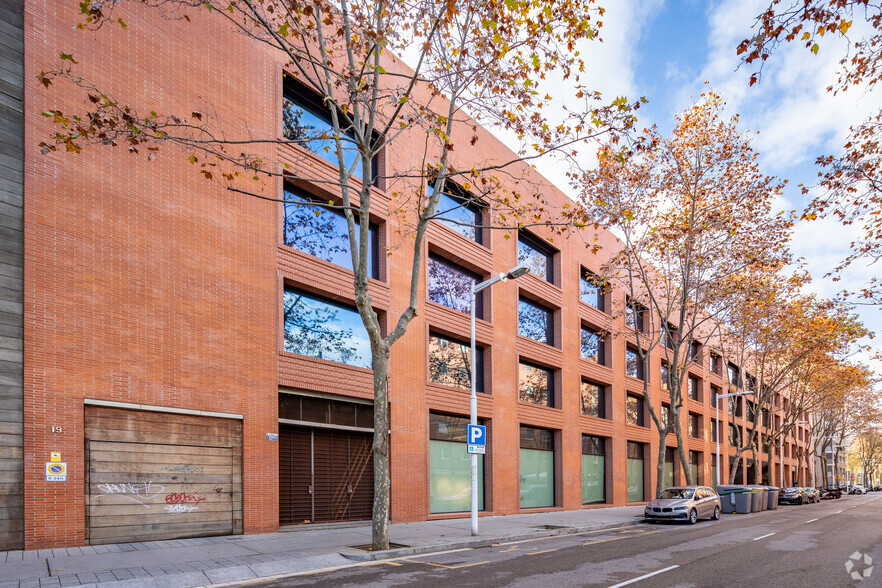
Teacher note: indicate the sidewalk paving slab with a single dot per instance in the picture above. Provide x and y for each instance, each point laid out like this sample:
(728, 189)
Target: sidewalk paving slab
(205, 561)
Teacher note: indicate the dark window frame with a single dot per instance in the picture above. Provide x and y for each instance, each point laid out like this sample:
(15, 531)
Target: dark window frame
(466, 201)
(549, 321)
(551, 391)
(450, 265)
(313, 202)
(595, 299)
(601, 344)
(305, 98)
(638, 363)
(536, 244)
(641, 410)
(601, 399)
(479, 362)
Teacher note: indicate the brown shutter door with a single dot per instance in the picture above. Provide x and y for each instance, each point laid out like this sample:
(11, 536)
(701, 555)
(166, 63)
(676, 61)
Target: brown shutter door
(361, 477)
(295, 476)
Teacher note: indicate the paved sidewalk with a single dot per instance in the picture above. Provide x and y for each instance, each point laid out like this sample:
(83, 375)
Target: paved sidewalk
(217, 560)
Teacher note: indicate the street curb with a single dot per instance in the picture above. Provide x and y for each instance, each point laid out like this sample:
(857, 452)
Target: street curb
(485, 541)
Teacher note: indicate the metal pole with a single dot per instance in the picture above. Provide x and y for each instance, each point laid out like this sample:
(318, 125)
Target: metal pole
(719, 432)
(473, 419)
(781, 455)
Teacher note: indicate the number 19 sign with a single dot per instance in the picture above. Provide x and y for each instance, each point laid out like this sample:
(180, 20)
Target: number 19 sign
(477, 435)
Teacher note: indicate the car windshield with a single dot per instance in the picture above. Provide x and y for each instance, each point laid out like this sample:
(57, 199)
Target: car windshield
(791, 490)
(673, 493)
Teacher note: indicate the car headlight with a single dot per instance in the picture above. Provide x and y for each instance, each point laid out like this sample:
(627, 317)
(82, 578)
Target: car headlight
(679, 508)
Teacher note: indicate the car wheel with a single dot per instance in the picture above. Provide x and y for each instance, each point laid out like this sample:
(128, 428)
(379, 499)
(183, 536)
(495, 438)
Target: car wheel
(716, 516)
(693, 516)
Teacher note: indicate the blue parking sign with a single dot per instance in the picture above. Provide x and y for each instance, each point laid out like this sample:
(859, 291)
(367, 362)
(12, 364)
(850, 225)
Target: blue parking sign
(477, 438)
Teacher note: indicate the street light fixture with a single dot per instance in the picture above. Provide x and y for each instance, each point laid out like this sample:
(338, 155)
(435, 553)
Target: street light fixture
(720, 429)
(473, 404)
(781, 447)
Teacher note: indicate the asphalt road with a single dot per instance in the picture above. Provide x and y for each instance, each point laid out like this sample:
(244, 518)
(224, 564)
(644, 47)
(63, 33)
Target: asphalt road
(798, 546)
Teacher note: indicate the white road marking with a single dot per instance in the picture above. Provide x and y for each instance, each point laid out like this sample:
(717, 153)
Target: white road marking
(811, 521)
(763, 537)
(649, 575)
(837, 512)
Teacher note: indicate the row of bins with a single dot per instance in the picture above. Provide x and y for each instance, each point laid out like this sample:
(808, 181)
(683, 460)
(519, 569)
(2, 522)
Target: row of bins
(747, 499)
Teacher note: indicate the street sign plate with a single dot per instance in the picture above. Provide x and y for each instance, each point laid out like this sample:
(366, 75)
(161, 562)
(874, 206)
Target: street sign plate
(477, 449)
(56, 471)
(477, 435)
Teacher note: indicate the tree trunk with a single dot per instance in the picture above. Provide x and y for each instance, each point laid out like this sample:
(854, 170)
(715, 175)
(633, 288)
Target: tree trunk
(380, 523)
(660, 466)
(758, 456)
(681, 449)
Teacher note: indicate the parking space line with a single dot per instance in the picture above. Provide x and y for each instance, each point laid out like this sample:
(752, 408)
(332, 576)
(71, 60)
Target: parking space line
(811, 521)
(538, 552)
(437, 565)
(643, 577)
(763, 536)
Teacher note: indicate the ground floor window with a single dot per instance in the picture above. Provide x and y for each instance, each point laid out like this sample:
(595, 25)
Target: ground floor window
(593, 469)
(714, 471)
(537, 467)
(450, 481)
(669, 466)
(635, 472)
(694, 460)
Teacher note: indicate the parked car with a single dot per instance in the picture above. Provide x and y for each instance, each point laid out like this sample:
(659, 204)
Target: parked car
(857, 489)
(813, 493)
(794, 495)
(685, 503)
(830, 493)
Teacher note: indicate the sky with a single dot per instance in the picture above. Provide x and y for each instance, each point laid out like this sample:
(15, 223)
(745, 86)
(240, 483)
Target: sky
(670, 51)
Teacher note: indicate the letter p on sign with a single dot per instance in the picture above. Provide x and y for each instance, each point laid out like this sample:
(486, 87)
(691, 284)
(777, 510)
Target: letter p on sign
(477, 435)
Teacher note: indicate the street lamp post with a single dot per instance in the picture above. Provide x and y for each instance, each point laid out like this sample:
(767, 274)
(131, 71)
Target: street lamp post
(781, 447)
(720, 429)
(473, 404)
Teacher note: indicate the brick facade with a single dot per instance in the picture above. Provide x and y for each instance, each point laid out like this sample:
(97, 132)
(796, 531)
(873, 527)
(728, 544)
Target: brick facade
(146, 284)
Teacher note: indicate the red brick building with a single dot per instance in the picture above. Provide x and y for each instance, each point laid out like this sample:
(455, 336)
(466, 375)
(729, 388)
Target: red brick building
(162, 363)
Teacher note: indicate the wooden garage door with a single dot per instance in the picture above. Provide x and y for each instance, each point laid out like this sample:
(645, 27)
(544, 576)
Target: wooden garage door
(155, 476)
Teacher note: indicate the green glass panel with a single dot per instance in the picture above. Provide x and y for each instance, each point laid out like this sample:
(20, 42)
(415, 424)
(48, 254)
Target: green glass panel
(635, 480)
(694, 469)
(669, 474)
(537, 478)
(450, 483)
(593, 479)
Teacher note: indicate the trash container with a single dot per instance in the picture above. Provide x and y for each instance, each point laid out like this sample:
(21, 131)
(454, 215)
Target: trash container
(727, 498)
(757, 498)
(773, 497)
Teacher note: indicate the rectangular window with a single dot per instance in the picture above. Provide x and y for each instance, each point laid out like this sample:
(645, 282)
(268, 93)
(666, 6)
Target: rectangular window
(734, 375)
(694, 462)
(593, 469)
(307, 122)
(459, 211)
(537, 256)
(451, 286)
(694, 388)
(593, 348)
(634, 410)
(591, 290)
(535, 322)
(715, 391)
(328, 330)
(751, 412)
(536, 385)
(536, 468)
(450, 363)
(713, 430)
(633, 364)
(635, 316)
(714, 471)
(694, 426)
(734, 435)
(635, 472)
(593, 399)
(716, 364)
(450, 483)
(322, 232)
(665, 377)
(670, 452)
(669, 336)
(665, 416)
(695, 351)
